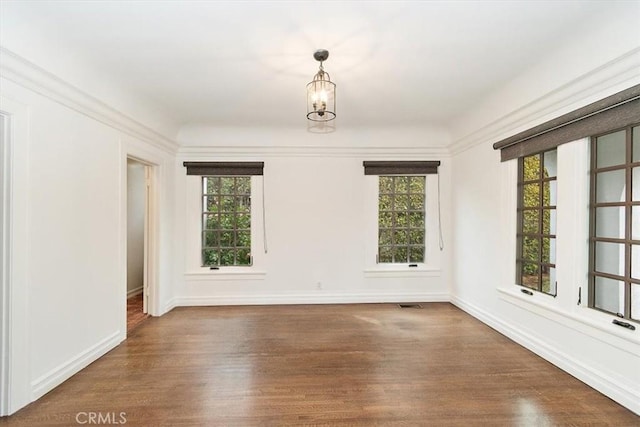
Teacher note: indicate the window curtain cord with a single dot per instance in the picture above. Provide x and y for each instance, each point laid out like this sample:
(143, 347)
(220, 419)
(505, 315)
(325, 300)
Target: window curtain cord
(441, 239)
(264, 219)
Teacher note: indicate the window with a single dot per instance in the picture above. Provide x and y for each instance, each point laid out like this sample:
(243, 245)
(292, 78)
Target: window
(614, 267)
(537, 194)
(222, 221)
(226, 220)
(401, 219)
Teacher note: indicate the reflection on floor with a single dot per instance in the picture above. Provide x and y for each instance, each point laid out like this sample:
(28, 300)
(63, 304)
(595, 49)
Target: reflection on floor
(135, 316)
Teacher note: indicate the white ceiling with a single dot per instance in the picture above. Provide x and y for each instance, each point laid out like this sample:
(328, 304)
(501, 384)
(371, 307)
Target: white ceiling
(247, 63)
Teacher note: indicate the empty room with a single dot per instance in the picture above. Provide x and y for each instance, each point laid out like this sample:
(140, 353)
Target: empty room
(337, 213)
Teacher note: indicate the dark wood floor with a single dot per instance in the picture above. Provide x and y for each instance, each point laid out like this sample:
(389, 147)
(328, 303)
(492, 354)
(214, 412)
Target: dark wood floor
(135, 313)
(362, 365)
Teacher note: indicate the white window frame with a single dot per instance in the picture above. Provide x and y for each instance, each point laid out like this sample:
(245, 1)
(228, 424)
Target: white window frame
(432, 262)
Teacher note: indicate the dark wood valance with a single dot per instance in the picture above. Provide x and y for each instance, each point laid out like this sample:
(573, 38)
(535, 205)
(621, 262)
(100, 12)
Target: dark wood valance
(400, 167)
(224, 168)
(613, 112)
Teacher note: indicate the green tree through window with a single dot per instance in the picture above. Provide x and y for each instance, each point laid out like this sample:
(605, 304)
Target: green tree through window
(401, 219)
(226, 221)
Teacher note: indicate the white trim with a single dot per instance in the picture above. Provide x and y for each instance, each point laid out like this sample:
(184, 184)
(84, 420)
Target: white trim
(260, 152)
(222, 275)
(617, 389)
(58, 375)
(585, 324)
(29, 75)
(17, 357)
(134, 292)
(396, 272)
(612, 77)
(310, 299)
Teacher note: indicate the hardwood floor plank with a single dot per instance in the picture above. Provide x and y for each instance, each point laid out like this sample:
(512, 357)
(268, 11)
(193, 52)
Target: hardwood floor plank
(337, 365)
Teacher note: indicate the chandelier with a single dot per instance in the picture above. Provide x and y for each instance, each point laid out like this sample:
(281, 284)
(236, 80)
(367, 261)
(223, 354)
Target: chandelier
(321, 93)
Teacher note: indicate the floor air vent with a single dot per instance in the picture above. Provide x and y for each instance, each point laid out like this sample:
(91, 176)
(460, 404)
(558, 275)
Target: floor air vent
(409, 305)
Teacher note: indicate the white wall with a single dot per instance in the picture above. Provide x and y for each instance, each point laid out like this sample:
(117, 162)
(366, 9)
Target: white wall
(136, 202)
(320, 217)
(580, 340)
(68, 228)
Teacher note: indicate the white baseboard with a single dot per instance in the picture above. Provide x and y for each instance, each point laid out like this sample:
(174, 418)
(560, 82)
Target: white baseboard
(308, 299)
(590, 375)
(58, 375)
(134, 292)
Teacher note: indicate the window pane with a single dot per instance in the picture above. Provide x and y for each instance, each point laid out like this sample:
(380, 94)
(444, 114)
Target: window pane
(531, 249)
(243, 185)
(550, 194)
(610, 186)
(402, 184)
(243, 238)
(416, 184)
(416, 219)
(385, 184)
(610, 222)
(210, 257)
(549, 221)
(635, 261)
(636, 144)
(243, 222)
(211, 203)
(609, 294)
(385, 219)
(610, 258)
(210, 238)
(401, 202)
(635, 301)
(210, 222)
(611, 149)
(531, 195)
(401, 254)
(227, 257)
(635, 184)
(530, 275)
(635, 222)
(384, 237)
(243, 256)
(401, 237)
(416, 254)
(385, 254)
(401, 219)
(416, 236)
(212, 184)
(531, 167)
(384, 203)
(416, 202)
(550, 164)
(530, 221)
(549, 280)
(226, 239)
(549, 251)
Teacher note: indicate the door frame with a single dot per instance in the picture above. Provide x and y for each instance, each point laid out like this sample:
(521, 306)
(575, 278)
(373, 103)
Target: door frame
(151, 239)
(15, 383)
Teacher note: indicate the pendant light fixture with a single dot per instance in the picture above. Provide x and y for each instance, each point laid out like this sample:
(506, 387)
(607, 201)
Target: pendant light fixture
(321, 93)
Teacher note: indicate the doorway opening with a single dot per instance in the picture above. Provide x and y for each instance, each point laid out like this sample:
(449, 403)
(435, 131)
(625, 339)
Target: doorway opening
(138, 226)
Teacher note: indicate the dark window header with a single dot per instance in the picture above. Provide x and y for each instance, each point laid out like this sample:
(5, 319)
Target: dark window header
(400, 167)
(613, 112)
(224, 168)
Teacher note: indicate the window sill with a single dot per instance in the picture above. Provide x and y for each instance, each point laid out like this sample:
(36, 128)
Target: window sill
(584, 320)
(225, 274)
(400, 271)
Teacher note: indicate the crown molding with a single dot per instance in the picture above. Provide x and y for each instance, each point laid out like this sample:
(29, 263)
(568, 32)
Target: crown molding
(612, 77)
(207, 152)
(17, 69)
